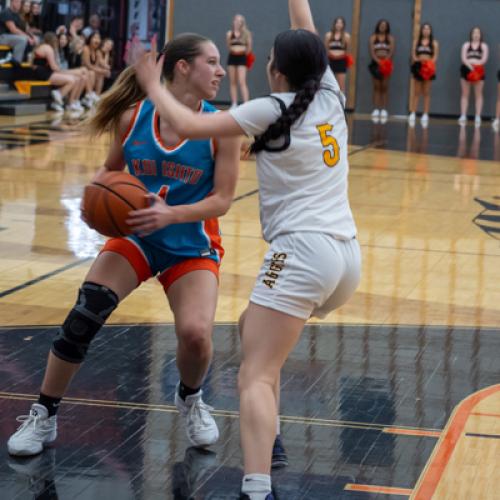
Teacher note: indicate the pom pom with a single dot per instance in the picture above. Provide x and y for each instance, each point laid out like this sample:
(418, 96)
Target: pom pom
(385, 67)
(476, 74)
(427, 69)
(349, 60)
(250, 60)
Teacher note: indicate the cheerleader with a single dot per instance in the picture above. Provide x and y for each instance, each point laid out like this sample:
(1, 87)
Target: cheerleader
(474, 56)
(424, 56)
(381, 51)
(239, 43)
(337, 43)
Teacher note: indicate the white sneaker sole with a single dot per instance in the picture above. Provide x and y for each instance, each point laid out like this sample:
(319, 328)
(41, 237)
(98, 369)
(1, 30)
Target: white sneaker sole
(204, 442)
(27, 453)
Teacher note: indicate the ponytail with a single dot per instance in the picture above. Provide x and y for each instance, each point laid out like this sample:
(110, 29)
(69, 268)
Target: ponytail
(301, 57)
(281, 127)
(124, 93)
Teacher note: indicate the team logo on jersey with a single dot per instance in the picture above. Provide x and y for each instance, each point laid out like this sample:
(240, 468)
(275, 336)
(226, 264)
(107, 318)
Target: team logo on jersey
(275, 267)
(170, 169)
(489, 218)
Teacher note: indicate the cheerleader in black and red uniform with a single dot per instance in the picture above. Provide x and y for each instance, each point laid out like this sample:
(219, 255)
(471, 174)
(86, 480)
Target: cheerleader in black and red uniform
(337, 42)
(381, 51)
(239, 43)
(424, 56)
(474, 56)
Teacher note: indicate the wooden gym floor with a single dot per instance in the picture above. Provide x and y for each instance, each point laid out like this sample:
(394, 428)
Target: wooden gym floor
(395, 395)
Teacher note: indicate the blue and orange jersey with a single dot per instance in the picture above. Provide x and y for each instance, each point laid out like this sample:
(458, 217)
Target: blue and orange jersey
(182, 174)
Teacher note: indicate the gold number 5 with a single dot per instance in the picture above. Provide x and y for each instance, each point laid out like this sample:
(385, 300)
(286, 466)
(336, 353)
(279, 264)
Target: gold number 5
(330, 156)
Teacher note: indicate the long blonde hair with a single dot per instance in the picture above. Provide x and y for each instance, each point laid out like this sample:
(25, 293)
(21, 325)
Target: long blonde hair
(125, 92)
(244, 31)
(122, 95)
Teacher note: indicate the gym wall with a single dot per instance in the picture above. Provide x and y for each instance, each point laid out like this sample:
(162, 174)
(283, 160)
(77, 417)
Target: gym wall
(451, 20)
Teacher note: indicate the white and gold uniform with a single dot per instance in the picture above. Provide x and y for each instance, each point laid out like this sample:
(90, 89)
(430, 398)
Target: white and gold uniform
(313, 264)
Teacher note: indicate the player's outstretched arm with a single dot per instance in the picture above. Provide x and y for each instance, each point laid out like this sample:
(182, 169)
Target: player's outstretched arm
(300, 15)
(183, 120)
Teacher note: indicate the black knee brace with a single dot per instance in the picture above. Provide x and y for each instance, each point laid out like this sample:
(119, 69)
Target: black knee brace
(94, 305)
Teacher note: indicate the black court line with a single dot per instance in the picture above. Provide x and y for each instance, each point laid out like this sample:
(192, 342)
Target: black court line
(492, 436)
(43, 277)
(364, 148)
(428, 250)
(246, 195)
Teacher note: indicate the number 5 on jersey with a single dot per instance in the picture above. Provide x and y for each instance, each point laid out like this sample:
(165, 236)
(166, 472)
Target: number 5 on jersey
(331, 153)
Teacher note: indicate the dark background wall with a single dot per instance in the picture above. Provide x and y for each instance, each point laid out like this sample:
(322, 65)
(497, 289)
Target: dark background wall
(452, 21)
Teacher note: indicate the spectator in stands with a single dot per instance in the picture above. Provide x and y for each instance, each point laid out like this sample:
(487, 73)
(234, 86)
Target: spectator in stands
(47, 68)
(27, 16)
(92, 60)
(25, 11)
(75, 51)
(64, 54)
(63, 51)
(75, 27)
(94, 25)
(13, 31)
(106, 54)
(106, 60)
(36, 18)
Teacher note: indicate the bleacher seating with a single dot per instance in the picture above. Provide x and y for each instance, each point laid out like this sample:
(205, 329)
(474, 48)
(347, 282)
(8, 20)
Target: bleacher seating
(20, 92)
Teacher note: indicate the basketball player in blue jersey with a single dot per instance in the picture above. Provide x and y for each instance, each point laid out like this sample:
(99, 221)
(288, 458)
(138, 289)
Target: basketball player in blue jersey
(313, 263)
(176, 239)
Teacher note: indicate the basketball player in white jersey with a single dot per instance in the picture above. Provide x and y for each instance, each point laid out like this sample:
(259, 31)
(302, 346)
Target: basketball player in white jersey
(314, 260)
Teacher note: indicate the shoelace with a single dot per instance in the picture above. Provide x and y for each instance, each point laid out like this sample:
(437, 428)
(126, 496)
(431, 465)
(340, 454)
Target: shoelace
(198, 410)
(26, 420)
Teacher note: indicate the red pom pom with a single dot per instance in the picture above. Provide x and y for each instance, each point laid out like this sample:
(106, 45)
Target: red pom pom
(427, 69)
(250, 60)
(385, 67)
(476, 74)
(349, 60)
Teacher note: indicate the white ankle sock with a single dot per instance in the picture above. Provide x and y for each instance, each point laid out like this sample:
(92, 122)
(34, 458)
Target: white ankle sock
(278, 426)
(256, 486)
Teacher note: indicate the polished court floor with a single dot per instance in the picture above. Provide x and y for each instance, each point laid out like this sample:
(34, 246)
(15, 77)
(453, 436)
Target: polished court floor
(396, 395)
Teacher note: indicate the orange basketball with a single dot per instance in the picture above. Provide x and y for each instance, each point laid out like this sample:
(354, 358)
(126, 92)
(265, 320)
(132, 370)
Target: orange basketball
(108, 200)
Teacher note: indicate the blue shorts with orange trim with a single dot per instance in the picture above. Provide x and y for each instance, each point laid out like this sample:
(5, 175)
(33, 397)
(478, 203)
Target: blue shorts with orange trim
(149, 261)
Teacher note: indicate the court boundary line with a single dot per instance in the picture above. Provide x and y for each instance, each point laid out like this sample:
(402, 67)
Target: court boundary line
(290, 419)
(385, 490)
(435, 467)
(235, 323)
(43, 277)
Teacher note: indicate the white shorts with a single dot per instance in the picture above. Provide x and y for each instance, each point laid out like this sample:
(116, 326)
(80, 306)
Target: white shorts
(308, 274)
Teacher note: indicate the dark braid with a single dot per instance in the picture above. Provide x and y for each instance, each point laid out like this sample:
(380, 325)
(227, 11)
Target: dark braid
(301, 57)
(282, 125)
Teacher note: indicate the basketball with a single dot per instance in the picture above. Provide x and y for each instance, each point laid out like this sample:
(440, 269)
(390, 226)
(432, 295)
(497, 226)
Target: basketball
(109, 198)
